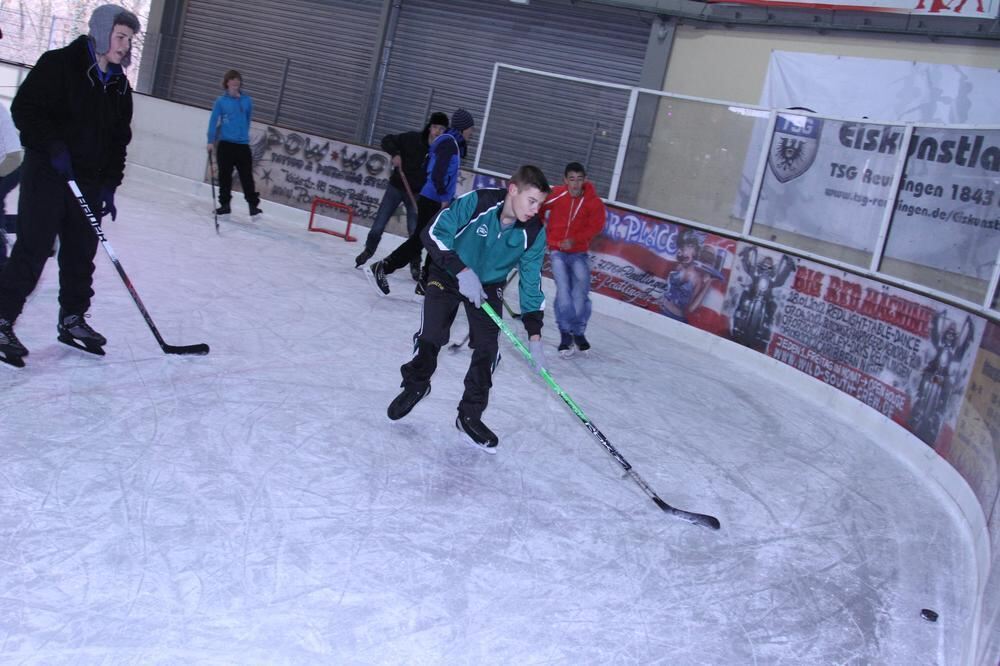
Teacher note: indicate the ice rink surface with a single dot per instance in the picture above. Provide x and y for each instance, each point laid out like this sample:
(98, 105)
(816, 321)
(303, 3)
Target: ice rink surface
(256, 506)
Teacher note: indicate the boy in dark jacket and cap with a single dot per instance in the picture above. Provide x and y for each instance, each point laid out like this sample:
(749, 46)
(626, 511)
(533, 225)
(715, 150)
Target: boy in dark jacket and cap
(74, 112)
(409, 158)
(443, 159)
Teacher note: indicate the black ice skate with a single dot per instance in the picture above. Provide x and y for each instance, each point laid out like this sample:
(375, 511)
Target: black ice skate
(377, 273)
(76, 332)
(12, 352)
(565, 345)
(476, 433)
(403, 403)
(363, 258)
(255, 213)
(223, 210)
(581, 343)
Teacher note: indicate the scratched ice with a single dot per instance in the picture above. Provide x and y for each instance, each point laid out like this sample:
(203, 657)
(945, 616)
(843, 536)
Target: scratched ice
(256, 506)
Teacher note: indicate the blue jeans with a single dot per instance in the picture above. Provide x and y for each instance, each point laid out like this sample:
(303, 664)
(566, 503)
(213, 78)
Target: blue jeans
(571, 271)
(390, 202)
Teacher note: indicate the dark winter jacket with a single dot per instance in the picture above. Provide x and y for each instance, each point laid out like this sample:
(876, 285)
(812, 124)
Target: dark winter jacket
(62, 102)
(411, 147)
(469, 234)
(443, 159)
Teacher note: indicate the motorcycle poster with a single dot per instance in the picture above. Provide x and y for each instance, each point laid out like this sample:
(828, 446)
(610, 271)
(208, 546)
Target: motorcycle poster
(907, 356)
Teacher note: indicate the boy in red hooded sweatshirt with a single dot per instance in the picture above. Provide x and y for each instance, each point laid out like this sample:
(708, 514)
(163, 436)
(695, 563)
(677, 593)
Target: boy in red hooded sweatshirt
(573, 215)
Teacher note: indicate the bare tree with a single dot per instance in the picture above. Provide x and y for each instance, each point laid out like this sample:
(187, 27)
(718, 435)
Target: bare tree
(31, 27)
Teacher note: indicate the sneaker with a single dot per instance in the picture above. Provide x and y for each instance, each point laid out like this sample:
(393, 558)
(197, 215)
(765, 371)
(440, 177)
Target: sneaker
(9, 344)
(223, 210)
(565, 344)
(581, 342)
(255, 211)
(407, 399)
(377, 271)
(74, 330)
(477, 433)
(362, 258)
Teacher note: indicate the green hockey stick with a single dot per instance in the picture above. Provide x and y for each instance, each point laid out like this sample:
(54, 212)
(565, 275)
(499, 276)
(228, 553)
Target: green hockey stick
(695, 518)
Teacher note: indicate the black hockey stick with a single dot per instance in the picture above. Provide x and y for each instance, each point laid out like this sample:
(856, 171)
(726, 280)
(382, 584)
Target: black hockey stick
(201, 348)
(211, 167)
(694, 518)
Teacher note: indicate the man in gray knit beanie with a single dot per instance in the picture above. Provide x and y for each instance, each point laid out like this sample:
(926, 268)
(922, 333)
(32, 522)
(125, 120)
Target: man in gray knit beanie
(102, 24)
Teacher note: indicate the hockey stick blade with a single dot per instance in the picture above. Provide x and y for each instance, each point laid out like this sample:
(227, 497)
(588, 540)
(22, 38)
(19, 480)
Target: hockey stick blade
(702, 519)
(186, 350)
(693, 518)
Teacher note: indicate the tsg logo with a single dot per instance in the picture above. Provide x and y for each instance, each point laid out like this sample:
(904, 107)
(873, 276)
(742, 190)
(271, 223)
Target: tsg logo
(482, 230)
(793, 146)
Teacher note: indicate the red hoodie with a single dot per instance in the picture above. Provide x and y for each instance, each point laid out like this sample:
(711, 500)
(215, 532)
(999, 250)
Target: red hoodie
(578, 219)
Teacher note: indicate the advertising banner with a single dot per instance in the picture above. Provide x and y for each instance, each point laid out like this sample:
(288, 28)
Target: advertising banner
(663, 267)
(950, 190)
(975, 450)
(293, 168)
(823, 183)
(904, 355)
(955, 8)
(832, 180)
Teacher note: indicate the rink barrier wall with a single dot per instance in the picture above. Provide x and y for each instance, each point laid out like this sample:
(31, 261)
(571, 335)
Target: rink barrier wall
(169, 148)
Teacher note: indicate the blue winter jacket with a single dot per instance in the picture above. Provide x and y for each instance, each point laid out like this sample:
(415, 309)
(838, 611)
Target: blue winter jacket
(234, 112)
(443, 158)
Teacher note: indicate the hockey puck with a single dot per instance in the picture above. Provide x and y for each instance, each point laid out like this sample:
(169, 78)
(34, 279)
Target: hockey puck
(928, 614)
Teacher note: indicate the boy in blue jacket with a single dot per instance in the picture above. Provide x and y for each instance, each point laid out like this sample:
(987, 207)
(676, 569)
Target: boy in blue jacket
(443, 159)
(230, 124)
(473, 245)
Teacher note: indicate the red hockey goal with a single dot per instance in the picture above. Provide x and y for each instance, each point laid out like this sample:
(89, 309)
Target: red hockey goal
(331, 214)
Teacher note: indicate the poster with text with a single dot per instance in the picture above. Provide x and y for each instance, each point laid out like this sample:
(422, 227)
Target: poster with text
(674, 270)
(905, 355)
(293, 168)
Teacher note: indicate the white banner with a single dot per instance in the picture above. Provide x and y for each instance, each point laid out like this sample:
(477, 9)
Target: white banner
(947, 215)
(820, 184)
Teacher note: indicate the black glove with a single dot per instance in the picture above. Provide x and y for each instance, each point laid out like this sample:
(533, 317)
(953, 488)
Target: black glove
(60, 160)
(108, 202)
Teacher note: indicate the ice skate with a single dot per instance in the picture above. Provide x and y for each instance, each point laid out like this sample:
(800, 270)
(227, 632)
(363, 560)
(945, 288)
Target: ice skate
(376, 275)
(255, 213)
(476, 433)
(223, 211)
(408, 398)
(76, 332)
(582, 344)
(12, 352)
(363, 258)
(565, 345)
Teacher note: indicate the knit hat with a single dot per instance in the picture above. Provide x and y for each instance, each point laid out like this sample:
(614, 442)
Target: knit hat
(438, 118)
(103, 21)
(461, 120)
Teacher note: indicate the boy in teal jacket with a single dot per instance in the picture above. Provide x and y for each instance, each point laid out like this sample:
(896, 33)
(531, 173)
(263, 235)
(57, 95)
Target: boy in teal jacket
(473, 246)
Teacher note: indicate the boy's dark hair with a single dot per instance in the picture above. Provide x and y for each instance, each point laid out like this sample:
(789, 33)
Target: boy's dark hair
(530, 176)
(229, 76)
(574, 167)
